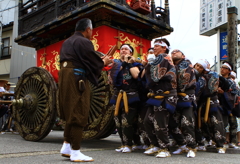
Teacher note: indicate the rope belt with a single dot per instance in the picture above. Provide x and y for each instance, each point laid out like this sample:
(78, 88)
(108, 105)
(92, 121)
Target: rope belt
(207, 110)
(161, 95)
(181, 94)
(122, 95)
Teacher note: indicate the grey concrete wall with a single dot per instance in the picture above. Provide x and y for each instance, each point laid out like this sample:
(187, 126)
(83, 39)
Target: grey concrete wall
(22, 57)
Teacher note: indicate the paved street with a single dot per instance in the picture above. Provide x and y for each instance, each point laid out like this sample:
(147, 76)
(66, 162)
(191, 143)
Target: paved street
(15, 150)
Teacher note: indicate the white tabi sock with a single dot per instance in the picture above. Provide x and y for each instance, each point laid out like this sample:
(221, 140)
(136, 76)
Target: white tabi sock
(77, 156)
(66, 149)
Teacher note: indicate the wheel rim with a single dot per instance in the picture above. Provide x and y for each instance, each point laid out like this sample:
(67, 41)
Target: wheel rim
(35, 118)
(100, 120)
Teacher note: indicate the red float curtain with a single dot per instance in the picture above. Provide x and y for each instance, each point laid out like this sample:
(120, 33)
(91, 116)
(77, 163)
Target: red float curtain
(103, 39)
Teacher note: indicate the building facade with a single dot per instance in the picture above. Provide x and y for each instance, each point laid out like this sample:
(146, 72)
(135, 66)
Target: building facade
(14, 59)
(5, 53)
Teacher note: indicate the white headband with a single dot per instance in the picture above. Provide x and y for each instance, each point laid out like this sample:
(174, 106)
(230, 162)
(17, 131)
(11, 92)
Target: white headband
(233, 74)
(226, 64)
(204, 64)
(162, 44)
(126, 46)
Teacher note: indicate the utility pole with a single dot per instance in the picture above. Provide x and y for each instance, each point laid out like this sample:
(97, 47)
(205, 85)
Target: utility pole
(215, 63)
(232, 36)
(1, 28)
(1, 36)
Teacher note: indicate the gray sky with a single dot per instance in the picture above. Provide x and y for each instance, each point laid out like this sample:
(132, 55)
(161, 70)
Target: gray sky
(184, 18)
(6, 14)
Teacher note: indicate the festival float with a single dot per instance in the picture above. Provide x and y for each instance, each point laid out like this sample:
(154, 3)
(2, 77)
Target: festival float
(45, 24)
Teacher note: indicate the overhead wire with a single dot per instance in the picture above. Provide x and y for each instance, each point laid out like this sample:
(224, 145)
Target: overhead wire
(187, 31)
(9, 8)
(6, 6)
(6, 9)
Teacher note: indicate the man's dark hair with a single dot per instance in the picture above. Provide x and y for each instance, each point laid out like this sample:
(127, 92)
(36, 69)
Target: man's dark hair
(150, 49)
(129, 46)
(165, 41)
(228, 68)
(83, 24)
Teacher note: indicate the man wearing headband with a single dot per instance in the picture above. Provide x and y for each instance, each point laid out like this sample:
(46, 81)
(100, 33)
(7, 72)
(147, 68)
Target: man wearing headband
(186, 83)
(123, 75)
(237, 104)
(202, 66)
(227, 101)
(233, 75)
(161, 45)
(151, 51)
(206, 90)
(161, 81)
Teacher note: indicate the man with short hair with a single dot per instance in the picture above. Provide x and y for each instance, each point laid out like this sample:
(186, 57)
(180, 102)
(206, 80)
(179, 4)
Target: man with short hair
(184, 115)
(160, 76)
(79, 65)
(233, 76)
(227, 99)
(208, 107)
(124, 77)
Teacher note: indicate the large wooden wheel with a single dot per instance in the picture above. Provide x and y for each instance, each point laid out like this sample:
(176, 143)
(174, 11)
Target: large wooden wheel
(100, 120)
(36, 103)
(34, 107)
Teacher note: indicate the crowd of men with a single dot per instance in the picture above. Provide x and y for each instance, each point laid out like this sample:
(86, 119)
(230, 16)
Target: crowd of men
(166, 96)
(163, 96)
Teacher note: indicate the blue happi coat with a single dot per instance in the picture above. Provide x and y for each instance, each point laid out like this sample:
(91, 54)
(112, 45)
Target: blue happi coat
(119, 75)
(161, 78)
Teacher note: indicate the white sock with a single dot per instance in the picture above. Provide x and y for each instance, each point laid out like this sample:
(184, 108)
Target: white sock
(77, 155)
(66, 148)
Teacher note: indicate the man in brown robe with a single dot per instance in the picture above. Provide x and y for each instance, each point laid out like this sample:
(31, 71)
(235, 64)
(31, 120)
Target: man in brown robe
(79, 65)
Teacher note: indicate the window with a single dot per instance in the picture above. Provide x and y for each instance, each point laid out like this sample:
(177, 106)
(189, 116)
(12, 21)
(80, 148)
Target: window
(6, 48)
